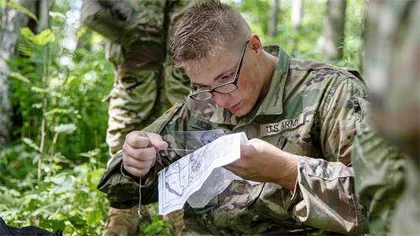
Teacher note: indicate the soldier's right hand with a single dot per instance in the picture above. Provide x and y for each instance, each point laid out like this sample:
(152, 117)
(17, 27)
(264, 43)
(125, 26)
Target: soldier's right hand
(139, 152)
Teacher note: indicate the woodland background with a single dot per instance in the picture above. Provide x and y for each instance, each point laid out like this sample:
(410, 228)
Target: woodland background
(54, 77)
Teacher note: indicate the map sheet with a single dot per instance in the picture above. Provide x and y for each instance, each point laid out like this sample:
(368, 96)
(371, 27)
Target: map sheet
(199, 176)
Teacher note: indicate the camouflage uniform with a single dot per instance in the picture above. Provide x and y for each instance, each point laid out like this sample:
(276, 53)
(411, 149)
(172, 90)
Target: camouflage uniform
(312, 110)
(145, 85)
(392, 62)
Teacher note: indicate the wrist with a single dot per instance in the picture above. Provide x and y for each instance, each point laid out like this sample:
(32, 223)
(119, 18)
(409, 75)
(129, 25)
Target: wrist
(289, 171)
(128, 175)
(143, 182)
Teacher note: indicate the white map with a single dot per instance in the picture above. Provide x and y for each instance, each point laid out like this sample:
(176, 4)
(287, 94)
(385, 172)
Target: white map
(199, 176)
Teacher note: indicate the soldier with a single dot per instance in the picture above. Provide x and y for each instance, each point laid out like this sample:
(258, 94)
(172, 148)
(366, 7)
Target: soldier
(301, 118)
(145, 85)
(392, 62)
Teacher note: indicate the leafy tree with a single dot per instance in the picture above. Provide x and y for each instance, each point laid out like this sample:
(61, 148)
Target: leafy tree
(13, 17)
(56, 90)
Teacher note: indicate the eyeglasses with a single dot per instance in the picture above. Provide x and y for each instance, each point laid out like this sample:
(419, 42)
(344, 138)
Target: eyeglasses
(223, 88)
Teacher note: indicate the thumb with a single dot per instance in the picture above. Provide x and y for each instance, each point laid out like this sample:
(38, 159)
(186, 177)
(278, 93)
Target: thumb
(157, 142)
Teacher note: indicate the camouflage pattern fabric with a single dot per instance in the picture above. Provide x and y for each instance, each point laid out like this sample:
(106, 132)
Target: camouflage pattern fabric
(312, 110)
(392, 62)
(379, 177)
(145, 85)
(392, 67)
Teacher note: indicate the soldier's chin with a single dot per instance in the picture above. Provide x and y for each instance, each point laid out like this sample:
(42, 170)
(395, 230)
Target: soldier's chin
(242, 111)
(236, 109)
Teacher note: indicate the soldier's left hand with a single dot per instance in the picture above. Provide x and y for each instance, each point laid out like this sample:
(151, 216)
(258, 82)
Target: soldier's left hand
(263, 162)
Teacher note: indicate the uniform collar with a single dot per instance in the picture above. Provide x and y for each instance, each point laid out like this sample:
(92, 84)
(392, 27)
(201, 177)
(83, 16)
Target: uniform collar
(271, 103)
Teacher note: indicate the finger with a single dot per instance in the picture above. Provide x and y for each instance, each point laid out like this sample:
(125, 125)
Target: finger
(157, 141)
(137, 139)
(247, 150)
(237, 164)
(139, 165)
(229, 167)
(141, 154)
(136, 172)
(234, 169)
(244, 149)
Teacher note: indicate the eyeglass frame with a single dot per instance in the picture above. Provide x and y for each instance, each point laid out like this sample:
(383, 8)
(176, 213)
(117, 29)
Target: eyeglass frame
(233, 82)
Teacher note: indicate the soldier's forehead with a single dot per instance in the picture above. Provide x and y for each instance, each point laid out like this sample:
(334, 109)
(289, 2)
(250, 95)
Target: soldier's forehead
(214, 55)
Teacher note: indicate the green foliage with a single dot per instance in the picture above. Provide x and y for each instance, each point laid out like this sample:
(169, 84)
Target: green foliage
(67, 201)
(74, 91)
(15, 5)
(307, 41)
(20, 77)
(67, 98)
(156, 227)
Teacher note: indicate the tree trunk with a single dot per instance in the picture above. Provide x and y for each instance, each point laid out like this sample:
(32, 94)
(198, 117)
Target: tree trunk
(274, 18)
(362, 38)
(297, 13)
(334, 29)
(11, 22)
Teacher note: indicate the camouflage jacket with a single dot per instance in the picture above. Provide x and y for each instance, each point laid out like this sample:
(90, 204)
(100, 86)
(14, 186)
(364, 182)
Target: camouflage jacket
(312, 110)
(134, 27)
(132, 20)
(387, 182)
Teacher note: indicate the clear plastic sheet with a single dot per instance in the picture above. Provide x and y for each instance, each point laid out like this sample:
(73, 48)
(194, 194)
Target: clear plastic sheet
(199, 175)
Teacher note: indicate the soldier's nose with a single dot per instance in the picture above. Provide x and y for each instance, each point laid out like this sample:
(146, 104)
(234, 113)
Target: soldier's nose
(222, 100)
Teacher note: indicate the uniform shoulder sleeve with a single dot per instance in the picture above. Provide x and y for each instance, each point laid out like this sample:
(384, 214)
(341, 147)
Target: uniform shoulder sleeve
(170, 116)
(343, 107)
(326, 185)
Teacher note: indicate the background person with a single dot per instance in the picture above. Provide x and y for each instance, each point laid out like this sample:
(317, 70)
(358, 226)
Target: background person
(145, 84)
(387, 182)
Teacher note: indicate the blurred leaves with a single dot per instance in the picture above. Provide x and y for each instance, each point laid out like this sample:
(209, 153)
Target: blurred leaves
(15, 5)
(75, 154)
(20, 77)
(68, 201)
(30, 143)
(40, 39)
(27, 33)
(43, 38)
(59, 15)
(307, 41)
(65, 128)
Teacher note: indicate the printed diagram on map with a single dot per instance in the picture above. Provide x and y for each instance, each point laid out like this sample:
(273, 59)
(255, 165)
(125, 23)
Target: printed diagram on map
(180, 174)
(183, 180)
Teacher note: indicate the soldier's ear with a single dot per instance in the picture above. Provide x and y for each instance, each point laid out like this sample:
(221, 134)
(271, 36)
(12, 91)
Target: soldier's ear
(255, 44)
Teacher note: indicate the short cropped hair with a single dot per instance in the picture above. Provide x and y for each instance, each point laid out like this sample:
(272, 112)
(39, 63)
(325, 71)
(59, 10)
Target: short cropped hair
(205, 26)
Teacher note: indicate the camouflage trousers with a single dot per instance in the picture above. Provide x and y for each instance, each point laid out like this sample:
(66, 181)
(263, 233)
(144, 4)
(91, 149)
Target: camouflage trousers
(139, 98)
(135, 102)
